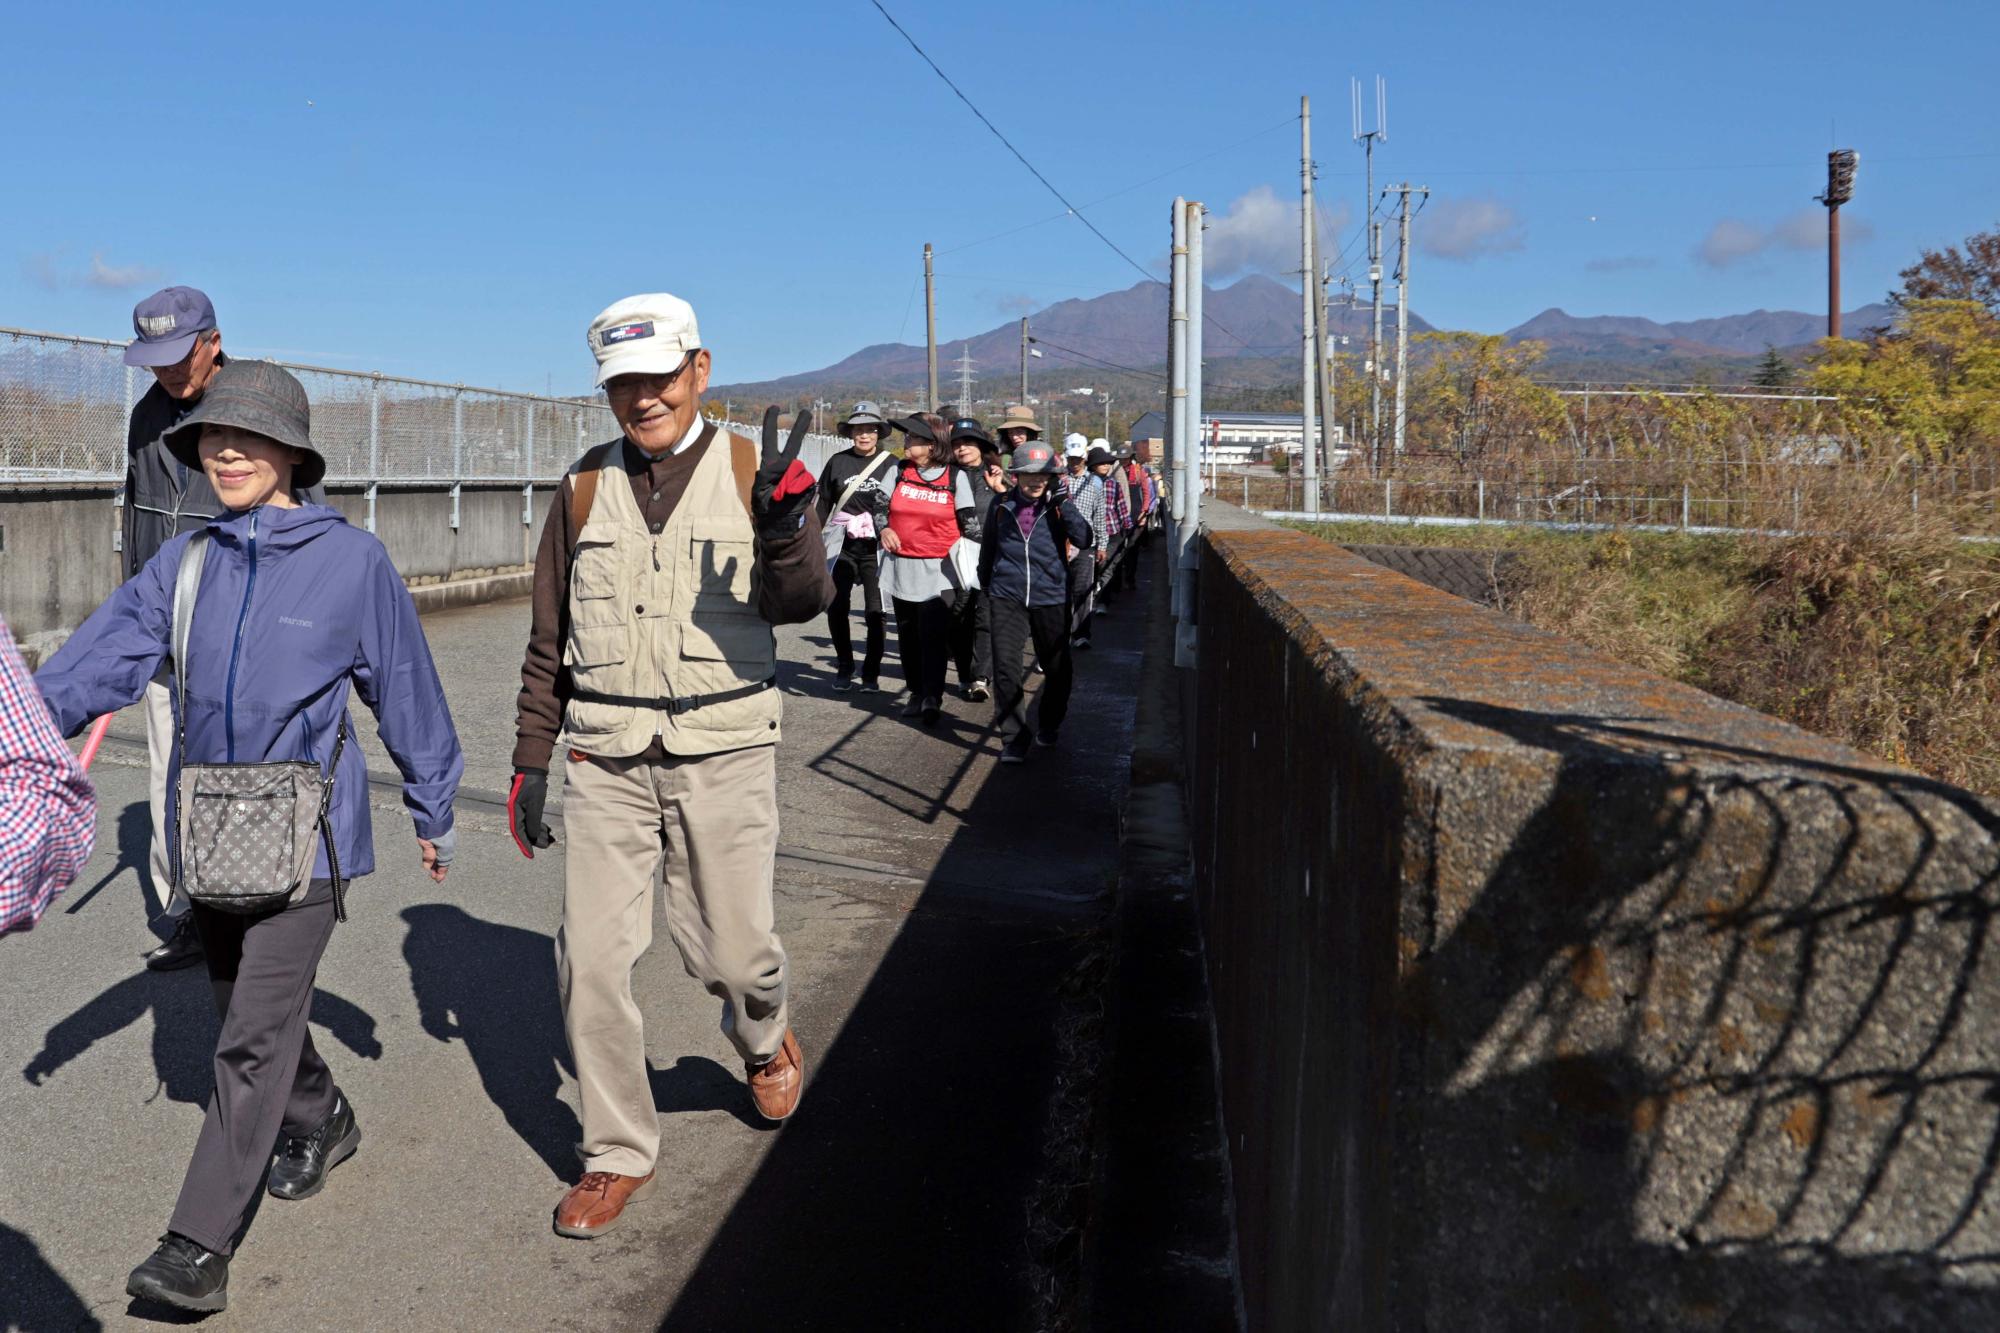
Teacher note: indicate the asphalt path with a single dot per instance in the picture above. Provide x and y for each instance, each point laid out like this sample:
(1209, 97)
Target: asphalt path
(939, 913)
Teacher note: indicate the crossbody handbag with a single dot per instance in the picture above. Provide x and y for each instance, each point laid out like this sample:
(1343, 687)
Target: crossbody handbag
(245, 834)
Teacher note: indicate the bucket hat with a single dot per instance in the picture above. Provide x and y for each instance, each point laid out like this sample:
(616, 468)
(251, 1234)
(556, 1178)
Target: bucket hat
(865, 413)
(1018, 417)
(968, 428)
(258, 396)
(1032, 457)
(1099, 457)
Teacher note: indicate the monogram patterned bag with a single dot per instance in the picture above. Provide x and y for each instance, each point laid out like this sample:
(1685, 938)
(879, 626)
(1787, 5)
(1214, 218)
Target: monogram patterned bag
(244, 836)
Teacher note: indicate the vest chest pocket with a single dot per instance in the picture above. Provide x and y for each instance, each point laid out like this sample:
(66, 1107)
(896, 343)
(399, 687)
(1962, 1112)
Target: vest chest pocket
(724, 559)
(599, 634)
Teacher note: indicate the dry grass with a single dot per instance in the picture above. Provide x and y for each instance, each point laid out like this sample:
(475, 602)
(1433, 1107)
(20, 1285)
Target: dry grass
(1878, 628)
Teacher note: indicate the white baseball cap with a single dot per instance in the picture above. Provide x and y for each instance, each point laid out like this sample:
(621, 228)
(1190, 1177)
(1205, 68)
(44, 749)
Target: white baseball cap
(644, 335)
(1075, 445)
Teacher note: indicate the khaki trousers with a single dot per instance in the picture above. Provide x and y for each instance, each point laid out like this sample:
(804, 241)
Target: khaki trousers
(159, 754)
(714, 820)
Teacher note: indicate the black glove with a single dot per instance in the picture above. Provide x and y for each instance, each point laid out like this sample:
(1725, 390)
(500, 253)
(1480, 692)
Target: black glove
(525, 800)
(782, 494)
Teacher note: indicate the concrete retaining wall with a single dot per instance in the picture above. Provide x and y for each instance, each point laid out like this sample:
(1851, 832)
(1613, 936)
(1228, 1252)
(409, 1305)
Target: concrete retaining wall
(58, 560)
(1551, 994)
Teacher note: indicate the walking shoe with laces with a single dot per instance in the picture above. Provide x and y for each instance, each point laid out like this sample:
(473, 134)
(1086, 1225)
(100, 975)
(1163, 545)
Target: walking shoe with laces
(182, 1274)
(1016, 750)
(933, 707)
(914, 706)
(595, 1203)
(1046, 739)
(777, 1084)
(979, 691)
(870, 685)
(843, 683)
(180, 949)
(299, 1170)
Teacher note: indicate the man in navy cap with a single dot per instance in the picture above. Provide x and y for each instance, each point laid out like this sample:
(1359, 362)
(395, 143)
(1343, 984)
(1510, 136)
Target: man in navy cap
(176, 338)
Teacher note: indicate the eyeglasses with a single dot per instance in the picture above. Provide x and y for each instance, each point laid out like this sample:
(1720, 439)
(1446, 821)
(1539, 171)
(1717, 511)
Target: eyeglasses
(627, 386)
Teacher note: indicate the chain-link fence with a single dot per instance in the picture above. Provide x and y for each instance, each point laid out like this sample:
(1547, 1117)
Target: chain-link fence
(65, 401)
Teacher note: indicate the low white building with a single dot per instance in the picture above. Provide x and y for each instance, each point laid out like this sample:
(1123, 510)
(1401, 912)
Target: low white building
(1236, 439)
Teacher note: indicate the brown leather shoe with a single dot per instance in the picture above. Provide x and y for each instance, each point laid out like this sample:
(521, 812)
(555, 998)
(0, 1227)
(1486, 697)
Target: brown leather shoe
(594, 1203)
(776, 1084)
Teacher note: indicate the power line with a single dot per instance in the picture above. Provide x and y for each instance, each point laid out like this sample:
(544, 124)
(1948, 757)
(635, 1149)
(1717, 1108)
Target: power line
(1032, 169)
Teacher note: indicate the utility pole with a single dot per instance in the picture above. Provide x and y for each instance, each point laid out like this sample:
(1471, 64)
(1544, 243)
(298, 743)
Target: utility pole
(1327, 340)
(1107, 416)
(930, 328)
(1840, 164)
(1367, 140)
(1308, 307)
(1403, 307)
(1024, 360)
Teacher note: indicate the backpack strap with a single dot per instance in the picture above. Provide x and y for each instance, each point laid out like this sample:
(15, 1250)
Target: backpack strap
(583, 482)
(744, 458)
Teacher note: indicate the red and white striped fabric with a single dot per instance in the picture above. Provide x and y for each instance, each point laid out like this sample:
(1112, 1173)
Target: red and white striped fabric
(48, 811)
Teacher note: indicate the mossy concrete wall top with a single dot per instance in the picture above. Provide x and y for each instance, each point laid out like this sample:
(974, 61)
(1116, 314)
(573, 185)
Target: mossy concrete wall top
(1553, 994)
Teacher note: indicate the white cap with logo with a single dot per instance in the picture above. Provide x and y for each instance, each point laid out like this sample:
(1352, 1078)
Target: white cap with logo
(643, 335)
(1075, 445)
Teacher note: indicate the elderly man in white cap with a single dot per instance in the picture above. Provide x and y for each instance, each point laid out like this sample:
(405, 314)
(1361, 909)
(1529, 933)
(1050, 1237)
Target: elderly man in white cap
(667, 557)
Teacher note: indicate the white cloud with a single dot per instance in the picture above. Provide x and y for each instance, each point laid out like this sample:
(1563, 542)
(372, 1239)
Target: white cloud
(1732, 239)
(118, 277)
(1468, 229)
(1620, 263)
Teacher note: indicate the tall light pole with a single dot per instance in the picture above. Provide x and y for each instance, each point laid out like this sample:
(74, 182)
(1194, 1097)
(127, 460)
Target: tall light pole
(1308, 314)
(930, 328)
(1840, 164)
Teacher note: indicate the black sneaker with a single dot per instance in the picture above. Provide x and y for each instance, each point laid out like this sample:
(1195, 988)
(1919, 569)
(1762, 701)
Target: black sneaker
(870, 685)
(299, 1170)
(181, 949)
(182, 1274)
(932, 710)
(1016, 750)
(914, 706)
(1046, 739)
(843, 683)
(1081, 641)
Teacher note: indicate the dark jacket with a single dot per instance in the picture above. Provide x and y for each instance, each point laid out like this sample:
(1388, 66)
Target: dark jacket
(164, 496)
(1034, 572)
(295, 609)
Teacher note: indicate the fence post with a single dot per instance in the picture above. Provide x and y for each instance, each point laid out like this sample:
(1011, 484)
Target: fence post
(457, 442)
(1482, 498)
(1685, 505)
(1388, 507)
(1246, 490)
(374, 443)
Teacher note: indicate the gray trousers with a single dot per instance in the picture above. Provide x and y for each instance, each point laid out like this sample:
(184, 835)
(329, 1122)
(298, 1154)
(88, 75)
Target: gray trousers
(268, 1077)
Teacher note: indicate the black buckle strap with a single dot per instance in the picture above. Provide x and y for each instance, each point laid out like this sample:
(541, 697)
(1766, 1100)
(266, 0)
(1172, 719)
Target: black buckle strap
(674, 704)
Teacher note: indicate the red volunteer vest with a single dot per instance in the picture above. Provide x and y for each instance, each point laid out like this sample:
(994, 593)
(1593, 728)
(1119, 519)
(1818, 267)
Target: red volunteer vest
(923, 515)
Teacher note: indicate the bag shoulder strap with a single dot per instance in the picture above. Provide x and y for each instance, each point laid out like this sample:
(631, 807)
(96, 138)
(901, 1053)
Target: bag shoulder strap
(583, 483)
(187, 584)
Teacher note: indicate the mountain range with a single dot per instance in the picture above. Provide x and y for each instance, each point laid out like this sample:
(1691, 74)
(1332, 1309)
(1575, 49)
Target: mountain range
(1256, 320)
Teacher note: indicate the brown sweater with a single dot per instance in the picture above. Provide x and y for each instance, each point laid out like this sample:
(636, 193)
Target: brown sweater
(792, 583)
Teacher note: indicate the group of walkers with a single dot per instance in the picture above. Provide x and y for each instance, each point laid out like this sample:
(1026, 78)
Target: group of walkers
(982, 544)
(253, 614)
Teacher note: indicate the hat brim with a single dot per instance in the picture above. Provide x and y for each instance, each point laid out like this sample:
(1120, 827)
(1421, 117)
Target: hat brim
(847, 428)
(184, 442)
(642, 361)
(915, 429)
(142, 353)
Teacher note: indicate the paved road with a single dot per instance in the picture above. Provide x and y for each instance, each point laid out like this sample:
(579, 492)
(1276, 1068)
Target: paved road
(942, 916)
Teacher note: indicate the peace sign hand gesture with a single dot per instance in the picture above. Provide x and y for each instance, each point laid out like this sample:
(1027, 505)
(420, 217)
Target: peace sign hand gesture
(783, 491)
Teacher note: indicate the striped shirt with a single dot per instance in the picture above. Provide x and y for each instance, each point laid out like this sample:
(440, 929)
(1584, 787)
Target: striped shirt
(48, 812)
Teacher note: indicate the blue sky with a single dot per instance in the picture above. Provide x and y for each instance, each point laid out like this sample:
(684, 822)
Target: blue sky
(453, 193)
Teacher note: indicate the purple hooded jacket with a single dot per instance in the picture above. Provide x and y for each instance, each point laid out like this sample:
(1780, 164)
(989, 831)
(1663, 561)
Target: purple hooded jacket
(294, 606)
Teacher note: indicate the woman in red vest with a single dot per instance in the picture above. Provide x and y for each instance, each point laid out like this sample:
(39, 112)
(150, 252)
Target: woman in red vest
(930, 509)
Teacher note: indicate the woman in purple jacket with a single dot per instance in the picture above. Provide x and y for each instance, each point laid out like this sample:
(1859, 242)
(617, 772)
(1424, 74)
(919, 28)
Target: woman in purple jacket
(294, 611)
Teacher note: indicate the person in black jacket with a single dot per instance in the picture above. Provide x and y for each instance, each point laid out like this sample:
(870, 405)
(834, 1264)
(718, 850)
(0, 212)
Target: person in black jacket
(175, 337)
(973, 453)
(863, 473)
(1023, 567)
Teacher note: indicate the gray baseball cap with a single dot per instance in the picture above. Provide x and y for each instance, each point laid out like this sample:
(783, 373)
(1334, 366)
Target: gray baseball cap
(258, 396)
(166, 324)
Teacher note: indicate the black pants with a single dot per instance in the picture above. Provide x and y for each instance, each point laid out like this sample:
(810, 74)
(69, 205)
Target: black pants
(268, 1077)
(1128, 567)
(1013, 625)
(923, 640)
(856, 567)
(1082, 592)
(971, 637)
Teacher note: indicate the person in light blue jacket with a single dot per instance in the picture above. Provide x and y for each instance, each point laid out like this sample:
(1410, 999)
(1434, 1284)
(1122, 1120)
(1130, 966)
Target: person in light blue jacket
(295, 612)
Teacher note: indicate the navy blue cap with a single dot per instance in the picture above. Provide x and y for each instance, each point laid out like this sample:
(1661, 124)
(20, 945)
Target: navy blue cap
(166, 324)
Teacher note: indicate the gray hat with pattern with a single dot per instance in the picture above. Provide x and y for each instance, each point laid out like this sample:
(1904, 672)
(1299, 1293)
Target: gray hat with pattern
(258, 396)
(865, 413)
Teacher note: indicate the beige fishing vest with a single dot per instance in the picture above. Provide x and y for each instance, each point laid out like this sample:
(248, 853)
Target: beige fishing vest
(670, 616)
